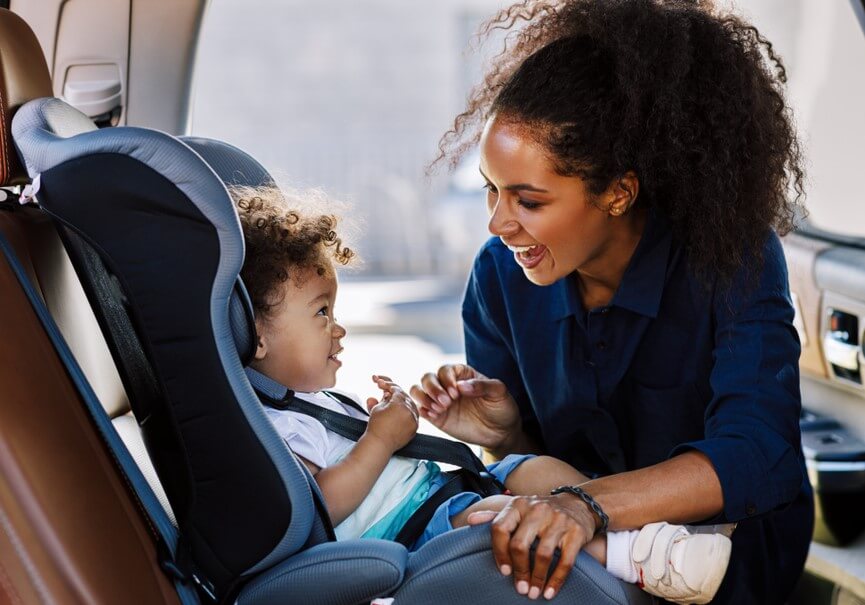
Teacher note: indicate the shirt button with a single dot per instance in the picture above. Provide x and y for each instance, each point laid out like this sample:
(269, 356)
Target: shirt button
(751, 509)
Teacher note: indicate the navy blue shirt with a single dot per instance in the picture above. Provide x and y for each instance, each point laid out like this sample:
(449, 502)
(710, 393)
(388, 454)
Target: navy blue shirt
(670, 365)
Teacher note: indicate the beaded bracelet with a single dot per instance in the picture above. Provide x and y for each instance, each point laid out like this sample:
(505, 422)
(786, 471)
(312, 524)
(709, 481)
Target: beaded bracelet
(591, 502)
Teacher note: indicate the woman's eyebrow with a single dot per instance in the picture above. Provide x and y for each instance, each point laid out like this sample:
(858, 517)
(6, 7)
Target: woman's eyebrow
(518, 186)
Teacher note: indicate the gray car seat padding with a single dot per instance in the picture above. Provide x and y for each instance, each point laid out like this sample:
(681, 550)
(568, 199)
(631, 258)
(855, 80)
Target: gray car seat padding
(193, 201)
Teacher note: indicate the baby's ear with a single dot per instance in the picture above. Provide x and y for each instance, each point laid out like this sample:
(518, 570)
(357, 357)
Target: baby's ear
(261, 349)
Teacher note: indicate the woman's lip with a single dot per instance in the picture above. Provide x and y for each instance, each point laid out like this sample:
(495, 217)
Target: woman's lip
(532, 261)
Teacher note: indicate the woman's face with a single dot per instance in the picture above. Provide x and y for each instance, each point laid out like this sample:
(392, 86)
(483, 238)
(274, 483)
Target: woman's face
(552, 223)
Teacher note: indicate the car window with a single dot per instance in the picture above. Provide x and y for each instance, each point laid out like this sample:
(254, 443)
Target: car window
(823, 46)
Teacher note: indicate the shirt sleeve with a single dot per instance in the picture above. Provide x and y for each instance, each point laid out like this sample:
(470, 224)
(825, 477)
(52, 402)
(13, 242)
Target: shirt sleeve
(303, 434)
(488, 343)
(752, 422)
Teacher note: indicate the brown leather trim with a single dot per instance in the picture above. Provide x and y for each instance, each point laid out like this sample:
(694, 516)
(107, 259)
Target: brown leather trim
(24, 76)
(78, 535)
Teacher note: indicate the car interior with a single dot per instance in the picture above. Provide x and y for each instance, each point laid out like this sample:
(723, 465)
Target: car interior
(123, 453)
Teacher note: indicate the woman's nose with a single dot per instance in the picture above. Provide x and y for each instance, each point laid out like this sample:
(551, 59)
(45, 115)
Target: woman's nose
(501, 221)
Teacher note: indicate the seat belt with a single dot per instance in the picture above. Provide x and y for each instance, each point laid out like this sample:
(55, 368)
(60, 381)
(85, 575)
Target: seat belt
(470, 476)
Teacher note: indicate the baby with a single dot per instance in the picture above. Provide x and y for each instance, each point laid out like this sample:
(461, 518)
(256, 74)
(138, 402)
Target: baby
(291, 253)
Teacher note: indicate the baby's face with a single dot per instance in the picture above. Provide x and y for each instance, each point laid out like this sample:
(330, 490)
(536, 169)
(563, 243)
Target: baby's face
(300, 341)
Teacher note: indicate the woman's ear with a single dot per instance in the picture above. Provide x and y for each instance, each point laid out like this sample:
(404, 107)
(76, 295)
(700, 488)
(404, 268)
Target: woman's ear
(623, 193)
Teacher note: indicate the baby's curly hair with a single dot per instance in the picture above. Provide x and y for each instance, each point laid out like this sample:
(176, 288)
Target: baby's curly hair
(286, 234)
(690, 100)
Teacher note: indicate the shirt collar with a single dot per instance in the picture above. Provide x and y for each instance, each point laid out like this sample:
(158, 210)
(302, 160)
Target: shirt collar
(642, 283)
(266, 385)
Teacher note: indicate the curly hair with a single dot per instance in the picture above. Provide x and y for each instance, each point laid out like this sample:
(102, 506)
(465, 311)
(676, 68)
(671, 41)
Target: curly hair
(690, 100)
(285, 236)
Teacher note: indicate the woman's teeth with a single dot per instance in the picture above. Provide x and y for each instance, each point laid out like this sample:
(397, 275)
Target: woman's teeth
(524, 251)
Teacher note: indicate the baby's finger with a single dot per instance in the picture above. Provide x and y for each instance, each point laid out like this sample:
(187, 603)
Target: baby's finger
(431, 385)
(371, 402)
(377, 377)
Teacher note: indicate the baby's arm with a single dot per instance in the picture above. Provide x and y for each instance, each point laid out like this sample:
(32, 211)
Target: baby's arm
(392, 423)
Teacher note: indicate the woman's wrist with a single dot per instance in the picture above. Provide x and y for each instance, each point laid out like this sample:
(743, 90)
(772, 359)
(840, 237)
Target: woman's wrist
(575, 498)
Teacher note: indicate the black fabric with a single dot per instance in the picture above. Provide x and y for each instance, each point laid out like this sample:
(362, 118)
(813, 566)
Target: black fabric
(163, 254)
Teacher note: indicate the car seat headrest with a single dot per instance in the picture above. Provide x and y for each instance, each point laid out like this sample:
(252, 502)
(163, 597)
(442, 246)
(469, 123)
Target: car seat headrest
(164, 225)
(24, 76)
(59, 119)
(235, 167)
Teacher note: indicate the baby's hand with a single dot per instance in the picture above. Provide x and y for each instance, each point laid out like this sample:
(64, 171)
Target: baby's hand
(394, 419)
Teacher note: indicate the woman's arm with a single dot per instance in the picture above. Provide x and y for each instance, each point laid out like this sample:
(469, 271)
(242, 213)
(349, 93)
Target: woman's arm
(679, 490)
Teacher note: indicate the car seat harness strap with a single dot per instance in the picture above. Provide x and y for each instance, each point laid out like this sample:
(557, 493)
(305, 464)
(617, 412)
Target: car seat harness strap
(470, 476)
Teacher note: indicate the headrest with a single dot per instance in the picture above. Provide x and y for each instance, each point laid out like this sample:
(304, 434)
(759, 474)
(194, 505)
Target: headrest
(54, 118)
(163, 224)
(235, 167)
(24, 76)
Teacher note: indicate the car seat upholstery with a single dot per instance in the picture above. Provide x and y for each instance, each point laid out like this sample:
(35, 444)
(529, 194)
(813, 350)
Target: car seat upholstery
(72, 529)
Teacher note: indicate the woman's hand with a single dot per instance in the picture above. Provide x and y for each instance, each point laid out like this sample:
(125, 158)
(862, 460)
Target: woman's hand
(561, 521)
(394, 419)
(467, 405)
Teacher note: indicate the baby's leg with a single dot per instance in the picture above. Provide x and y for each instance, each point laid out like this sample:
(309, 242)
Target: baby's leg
(537, 476)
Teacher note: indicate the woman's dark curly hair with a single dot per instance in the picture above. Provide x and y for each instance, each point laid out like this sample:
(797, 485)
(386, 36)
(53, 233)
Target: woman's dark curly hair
(284, 232)
(690, 100)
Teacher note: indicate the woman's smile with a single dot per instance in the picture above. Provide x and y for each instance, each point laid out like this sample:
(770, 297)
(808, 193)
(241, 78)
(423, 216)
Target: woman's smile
(528, 257)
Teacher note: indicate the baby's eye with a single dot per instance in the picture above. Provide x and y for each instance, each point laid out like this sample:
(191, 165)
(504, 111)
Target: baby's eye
(322, 311)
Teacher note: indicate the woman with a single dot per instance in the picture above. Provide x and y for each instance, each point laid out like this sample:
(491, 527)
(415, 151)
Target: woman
(632, 313)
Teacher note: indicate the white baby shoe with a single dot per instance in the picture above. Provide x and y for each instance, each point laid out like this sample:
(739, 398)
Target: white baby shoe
(680, 566)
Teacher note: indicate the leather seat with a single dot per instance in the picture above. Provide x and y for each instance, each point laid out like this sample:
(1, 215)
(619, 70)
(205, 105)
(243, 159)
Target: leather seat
(71, 530)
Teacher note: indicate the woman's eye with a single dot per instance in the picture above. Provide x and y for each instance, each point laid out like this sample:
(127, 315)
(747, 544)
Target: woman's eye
(528, 205)
(490, 187)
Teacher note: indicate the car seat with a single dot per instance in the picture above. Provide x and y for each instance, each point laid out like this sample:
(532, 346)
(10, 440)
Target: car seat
(155, 239)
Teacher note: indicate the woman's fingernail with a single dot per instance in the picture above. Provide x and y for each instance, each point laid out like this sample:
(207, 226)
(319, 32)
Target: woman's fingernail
(453, 393)
(522, 587)
(432, 415)
(505, 569)
(444, 400)
(534, 592)
(549, 593)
